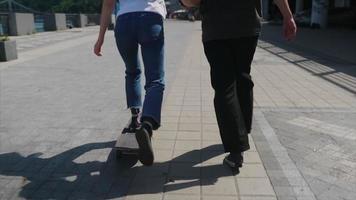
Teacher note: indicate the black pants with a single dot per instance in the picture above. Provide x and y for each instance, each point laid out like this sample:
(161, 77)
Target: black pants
(230, 62)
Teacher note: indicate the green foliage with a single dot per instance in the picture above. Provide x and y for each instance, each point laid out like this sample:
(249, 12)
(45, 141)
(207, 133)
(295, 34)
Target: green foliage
(64, 6)
(76, 6)
(40, 5)
(4, 38)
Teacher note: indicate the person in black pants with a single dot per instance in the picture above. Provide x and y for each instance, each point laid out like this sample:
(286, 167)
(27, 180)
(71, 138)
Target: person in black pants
(230, 62)
(230, 33)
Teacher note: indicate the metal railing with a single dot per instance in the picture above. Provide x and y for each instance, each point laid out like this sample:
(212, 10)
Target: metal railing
(39, 23)
(93, 19)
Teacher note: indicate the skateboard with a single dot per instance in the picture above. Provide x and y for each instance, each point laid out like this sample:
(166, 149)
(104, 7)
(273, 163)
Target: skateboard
(126, 144)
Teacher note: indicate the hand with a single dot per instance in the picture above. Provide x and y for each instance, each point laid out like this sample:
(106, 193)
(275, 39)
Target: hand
(190, 3)
(97, 47)
(289, 29)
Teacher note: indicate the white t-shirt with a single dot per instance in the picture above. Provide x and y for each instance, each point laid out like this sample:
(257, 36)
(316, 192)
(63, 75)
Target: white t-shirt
(156, 6)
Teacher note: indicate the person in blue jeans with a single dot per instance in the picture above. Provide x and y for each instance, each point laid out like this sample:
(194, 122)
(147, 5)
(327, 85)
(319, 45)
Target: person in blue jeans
(139, 24)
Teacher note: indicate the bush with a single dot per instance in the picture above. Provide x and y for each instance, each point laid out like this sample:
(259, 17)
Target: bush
(4, 38)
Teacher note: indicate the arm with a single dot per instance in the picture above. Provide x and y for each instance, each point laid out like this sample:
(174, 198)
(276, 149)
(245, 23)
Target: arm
(108, 6)
(289, 26)
(190, 3)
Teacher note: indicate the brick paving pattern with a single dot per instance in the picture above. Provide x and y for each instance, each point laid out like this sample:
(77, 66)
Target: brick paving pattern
(60, 116)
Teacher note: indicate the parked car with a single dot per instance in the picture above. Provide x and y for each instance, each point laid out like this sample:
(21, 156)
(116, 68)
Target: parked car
(303, 18)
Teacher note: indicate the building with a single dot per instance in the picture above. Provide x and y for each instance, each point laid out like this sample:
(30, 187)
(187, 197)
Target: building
(316, 13)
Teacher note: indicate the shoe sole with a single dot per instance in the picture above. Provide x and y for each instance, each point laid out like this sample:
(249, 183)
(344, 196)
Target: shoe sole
(146, 156)
(235, 169)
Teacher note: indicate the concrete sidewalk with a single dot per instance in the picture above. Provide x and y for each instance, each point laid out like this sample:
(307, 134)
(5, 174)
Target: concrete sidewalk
(29, 42)
(60, 116)
(189, 145)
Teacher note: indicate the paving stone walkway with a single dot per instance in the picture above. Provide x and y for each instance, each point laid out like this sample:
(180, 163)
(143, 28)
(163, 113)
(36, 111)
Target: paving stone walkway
(305, 114)
(189, 142)
(61, 112)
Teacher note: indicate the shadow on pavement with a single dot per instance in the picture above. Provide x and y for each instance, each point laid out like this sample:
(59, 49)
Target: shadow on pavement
(312, 56)
(60, 177)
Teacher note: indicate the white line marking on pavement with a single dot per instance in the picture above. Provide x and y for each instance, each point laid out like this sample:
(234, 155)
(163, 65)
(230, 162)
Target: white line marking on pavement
(324, 127)
(295, 179)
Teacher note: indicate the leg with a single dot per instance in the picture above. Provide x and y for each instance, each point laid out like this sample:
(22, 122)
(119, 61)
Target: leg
(227, 108)
(152, 47)
(133, 123)
(244, 50)
(128, 47)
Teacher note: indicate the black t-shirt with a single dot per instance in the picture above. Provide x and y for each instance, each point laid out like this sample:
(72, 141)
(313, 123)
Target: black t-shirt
(228, 19)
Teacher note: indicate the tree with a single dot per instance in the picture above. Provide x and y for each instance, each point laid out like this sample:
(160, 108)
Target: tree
(40, 5)
(75, 6)
(68, 6)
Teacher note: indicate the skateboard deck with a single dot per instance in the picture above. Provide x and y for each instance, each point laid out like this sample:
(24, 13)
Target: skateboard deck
(126, 144)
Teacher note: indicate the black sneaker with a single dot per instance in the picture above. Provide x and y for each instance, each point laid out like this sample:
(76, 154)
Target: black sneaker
(143, 137)
(234, 161)
(132, 126)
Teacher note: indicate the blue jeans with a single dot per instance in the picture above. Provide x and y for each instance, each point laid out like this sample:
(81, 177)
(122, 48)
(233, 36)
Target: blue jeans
(144, 29)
